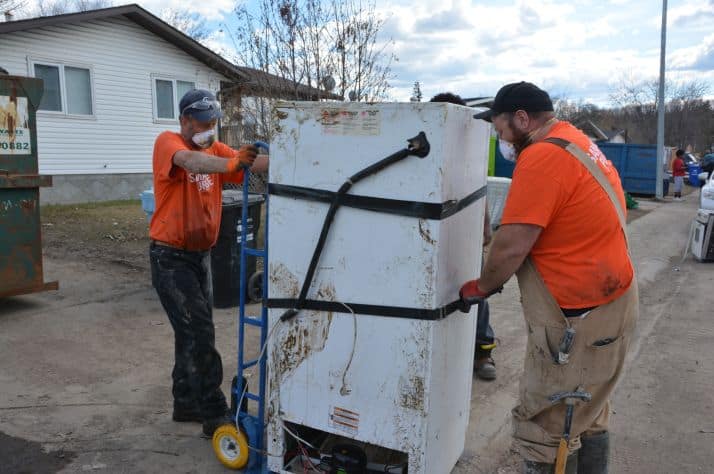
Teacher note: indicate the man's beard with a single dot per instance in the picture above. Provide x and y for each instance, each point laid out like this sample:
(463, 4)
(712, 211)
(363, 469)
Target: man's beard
(521, 139)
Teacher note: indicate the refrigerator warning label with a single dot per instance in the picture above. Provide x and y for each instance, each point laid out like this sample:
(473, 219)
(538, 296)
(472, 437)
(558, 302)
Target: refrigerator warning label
(344, 420)
(14, 126)
(350, 122)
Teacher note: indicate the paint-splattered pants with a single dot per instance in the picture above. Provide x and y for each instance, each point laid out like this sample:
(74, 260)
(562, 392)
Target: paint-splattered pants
(183, 282)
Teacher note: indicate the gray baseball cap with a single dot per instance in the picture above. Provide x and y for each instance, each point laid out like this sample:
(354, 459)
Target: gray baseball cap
(201, 105)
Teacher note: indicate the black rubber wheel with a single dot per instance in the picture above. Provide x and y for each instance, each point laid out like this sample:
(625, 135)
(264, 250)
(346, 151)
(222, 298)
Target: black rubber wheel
(255, 287)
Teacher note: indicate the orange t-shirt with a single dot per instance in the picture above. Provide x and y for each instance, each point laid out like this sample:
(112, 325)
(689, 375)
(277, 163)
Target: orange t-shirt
(187, 205)
(581, 253)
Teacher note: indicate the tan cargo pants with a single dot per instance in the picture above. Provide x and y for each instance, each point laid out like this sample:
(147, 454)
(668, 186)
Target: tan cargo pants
(596, 361)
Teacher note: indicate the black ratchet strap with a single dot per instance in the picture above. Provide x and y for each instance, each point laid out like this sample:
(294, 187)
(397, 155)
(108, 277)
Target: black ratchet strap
(417, 209)
(417, 146)
(367, 309)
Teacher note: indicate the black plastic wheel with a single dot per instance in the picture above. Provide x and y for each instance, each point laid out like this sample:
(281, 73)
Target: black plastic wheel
(255, 287)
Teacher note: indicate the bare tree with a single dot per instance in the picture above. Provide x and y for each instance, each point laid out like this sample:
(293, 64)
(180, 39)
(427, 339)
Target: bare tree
(686, 119)
(416, 93)
(363, 62)
(59, 7)
(575, 112)
(327, 45)
(187, 22)
(11, 6)
(262, 43)
(86, 5)
(299, 49)
(315, 52)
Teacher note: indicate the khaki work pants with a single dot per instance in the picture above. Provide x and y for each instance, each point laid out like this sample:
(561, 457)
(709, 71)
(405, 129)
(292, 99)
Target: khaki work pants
(596, 361)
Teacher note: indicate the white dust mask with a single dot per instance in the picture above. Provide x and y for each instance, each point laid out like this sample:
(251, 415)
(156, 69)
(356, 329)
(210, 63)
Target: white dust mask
(508, 150)
(204, 139)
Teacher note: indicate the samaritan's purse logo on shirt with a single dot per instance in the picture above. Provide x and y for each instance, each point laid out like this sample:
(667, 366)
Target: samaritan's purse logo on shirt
(598, 157)
(204, 182)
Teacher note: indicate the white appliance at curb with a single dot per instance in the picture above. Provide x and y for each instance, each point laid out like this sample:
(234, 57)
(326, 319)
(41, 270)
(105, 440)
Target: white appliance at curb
(395, 383)
(706, 196)
(702, 242)
(497, 195)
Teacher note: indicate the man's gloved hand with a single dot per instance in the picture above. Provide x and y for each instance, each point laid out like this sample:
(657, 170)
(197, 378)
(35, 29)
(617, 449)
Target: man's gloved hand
(471, 294)
(245, 157)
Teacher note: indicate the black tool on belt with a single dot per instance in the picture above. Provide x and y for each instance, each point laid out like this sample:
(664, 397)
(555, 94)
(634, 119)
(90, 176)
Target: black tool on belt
(417, 146)
(568, 339)
(566, 344)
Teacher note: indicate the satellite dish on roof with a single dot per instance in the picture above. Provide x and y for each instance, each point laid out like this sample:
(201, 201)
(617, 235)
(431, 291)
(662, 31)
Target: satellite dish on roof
(328, 83)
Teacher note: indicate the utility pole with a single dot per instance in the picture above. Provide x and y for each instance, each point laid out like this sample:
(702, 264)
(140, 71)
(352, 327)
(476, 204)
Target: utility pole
(660, 106)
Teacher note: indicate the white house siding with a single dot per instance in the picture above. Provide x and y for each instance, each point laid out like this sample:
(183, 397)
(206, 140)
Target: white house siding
(124, 58)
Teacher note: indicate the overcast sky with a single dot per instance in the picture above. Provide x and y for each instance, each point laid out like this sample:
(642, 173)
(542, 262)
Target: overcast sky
(579, 49)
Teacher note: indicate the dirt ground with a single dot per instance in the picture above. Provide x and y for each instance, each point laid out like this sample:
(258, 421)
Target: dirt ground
(86, 370)
(114, 232)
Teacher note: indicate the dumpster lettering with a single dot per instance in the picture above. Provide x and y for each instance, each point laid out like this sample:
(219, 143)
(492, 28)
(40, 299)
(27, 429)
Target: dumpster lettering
(14, 126)
(27, 206)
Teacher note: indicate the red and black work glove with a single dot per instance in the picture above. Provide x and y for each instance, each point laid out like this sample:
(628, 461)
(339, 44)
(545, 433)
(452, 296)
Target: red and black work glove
(471, 294)
(245, 157)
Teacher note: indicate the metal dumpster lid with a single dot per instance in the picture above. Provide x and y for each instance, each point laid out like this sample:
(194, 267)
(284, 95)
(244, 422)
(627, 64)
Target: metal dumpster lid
(234, 196)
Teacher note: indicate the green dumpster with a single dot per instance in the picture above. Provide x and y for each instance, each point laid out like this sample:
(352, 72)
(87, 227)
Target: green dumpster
(20, 230)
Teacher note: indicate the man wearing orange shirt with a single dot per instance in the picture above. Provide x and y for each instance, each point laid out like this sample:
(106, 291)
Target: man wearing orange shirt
(563, 234)
(190, 168)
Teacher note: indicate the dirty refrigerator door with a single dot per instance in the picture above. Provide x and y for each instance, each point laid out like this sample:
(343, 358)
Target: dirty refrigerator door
(399, 383)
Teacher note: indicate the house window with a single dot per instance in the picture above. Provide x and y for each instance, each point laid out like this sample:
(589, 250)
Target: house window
(165, 103)
(68, 89)
(79, 90)
(167, 94)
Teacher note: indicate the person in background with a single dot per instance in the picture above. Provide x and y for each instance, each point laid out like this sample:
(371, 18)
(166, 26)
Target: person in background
(190, 168)
(708, 163)
(484, 366)
(679, 171)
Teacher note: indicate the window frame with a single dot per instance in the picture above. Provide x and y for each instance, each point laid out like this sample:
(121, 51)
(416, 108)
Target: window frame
(155, 97)
(32, 61)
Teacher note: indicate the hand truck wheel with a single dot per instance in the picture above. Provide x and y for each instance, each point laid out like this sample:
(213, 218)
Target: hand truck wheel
(254, 289)
(230, 446)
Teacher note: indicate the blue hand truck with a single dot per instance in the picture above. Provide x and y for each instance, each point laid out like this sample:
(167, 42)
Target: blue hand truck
(241, 445)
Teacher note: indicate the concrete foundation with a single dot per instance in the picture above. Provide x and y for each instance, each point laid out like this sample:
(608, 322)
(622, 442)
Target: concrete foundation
(73, 189)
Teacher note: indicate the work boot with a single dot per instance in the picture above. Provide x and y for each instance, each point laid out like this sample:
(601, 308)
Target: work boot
(210, 425)
(532, 467)
(594, 453)
(186, 414)
(484, 366)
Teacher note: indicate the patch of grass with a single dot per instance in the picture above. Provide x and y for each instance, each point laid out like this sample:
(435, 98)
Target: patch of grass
(112, 230)
(56, 209)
